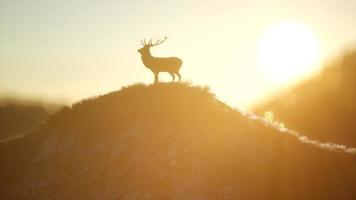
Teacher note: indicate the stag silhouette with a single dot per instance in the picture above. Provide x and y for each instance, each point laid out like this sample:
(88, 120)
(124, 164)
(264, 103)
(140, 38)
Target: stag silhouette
(157, 65)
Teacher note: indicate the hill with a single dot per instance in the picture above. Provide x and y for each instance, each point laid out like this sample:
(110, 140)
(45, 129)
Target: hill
(323, 107)
(19, 119)
(168, 141)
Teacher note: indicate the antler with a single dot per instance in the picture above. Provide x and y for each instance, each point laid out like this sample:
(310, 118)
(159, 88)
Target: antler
(144, 43)
(158, 42)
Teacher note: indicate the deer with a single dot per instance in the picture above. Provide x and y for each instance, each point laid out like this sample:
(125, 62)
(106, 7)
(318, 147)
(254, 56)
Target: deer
(157, 65)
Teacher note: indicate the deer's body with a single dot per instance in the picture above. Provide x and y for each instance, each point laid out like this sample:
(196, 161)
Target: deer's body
(157, 65)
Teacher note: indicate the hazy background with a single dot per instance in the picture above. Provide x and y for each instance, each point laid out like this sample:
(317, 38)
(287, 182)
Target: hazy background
(68, 50)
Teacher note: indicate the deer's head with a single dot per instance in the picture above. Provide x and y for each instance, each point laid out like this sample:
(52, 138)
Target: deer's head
(147, 45)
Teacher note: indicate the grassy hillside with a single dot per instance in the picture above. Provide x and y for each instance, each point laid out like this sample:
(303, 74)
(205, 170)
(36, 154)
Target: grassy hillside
(324, 107)
(168, 141)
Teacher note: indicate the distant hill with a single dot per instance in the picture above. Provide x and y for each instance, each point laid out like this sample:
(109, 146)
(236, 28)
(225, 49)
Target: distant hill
(167, 141)
(19, 119)
(324, 107)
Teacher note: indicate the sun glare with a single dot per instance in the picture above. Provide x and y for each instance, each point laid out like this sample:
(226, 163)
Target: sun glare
(288, 50)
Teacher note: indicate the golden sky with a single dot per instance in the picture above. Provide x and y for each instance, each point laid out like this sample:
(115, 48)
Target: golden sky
(68, 50)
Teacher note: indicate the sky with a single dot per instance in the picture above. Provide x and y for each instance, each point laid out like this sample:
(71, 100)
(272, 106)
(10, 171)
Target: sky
(69, 50)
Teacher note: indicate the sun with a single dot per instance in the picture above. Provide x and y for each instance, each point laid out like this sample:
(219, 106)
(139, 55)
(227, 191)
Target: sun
(288, 50)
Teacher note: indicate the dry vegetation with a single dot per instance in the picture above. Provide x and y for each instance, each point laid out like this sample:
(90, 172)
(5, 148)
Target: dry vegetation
(167, 141)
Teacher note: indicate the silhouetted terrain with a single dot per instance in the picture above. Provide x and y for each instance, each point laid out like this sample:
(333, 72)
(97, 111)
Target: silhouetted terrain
(168, 141)
(18, 119)
(324, 107)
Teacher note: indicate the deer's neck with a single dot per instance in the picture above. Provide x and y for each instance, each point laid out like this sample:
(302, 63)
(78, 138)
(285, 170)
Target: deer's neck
(147, 59)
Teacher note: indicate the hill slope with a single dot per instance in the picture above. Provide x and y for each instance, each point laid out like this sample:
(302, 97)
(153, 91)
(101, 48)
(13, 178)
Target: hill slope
(17, 119)
(323, 107)
(168, 141)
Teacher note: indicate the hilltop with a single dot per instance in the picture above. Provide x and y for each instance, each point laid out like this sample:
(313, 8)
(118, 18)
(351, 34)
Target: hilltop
(168, 141)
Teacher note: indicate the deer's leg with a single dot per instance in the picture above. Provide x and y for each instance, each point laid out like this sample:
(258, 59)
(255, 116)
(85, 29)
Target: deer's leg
(173, 77)
(179, 76)
(156, 77)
